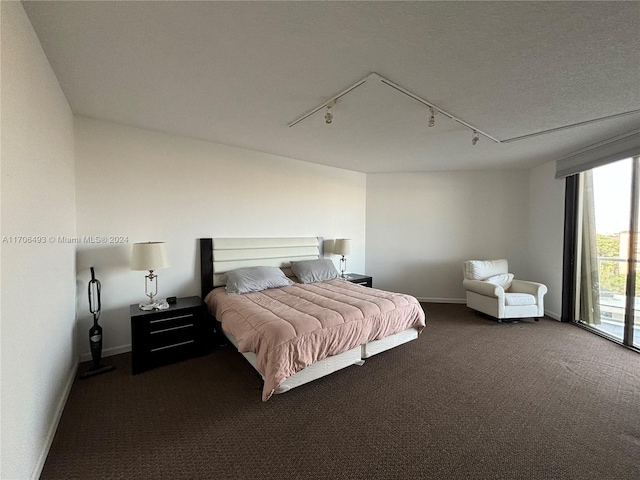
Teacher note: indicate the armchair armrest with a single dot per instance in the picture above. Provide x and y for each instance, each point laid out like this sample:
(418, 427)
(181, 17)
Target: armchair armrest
(534, 288)
(483, 288)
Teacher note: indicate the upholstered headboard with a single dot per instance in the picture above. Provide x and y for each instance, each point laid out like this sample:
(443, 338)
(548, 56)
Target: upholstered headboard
(220, 255)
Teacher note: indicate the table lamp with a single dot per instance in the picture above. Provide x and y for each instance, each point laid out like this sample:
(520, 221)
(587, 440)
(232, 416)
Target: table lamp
(149, 256)
(342, 246)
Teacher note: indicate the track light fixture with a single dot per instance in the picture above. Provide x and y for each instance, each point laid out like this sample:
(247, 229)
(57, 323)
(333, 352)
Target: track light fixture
(328, 117)
(432, 117)
(374, 77)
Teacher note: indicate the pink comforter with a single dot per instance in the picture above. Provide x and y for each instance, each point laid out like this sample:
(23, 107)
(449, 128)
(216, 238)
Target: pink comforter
(290, 328)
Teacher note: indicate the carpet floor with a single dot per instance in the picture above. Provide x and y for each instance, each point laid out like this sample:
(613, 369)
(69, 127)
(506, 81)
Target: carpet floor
(470, 398)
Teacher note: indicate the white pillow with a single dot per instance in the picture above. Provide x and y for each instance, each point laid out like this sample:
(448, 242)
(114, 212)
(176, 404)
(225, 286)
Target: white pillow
(503, 279)
(482, 269)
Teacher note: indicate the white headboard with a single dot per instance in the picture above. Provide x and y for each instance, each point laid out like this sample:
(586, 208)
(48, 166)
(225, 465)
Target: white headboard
(230, 253)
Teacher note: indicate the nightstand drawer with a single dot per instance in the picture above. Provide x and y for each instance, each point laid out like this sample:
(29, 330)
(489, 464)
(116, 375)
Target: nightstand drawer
(172, 322)
(166, 338)
(171, 353)
(159, 337)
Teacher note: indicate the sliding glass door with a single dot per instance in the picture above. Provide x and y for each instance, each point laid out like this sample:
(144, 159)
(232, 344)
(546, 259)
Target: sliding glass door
(607, 293)
(632, 324)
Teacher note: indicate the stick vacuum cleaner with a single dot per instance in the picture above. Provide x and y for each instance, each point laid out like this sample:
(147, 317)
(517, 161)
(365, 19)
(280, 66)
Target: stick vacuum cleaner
(95, 332)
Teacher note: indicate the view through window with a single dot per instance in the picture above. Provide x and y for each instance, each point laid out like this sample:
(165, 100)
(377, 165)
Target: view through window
(606, 260)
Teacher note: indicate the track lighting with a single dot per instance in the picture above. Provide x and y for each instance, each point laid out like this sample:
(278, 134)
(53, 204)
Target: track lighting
(374, 77)
(328, 117)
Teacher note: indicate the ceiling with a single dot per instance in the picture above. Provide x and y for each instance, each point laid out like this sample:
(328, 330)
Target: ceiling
(239, 73)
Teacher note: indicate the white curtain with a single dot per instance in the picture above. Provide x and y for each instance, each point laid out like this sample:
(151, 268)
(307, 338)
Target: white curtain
(589, 274)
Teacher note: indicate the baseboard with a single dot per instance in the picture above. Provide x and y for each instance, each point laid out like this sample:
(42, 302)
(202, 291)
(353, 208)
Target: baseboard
(441, 300)
(107, 352)
(37, 471)
(553, 315)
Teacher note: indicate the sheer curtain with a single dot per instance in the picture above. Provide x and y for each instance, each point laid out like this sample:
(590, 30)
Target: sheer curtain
(589, 271)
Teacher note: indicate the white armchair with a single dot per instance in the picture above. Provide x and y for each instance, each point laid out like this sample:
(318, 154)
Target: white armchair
(492, 290)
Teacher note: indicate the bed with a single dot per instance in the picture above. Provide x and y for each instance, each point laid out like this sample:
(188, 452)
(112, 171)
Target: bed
(297, 330)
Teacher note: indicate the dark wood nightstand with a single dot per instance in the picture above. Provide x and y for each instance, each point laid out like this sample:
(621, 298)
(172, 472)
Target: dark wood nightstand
(360, 279)
(159, 337)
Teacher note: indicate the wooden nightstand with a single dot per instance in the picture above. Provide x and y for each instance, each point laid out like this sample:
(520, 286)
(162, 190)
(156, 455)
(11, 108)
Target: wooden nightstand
(360, 279)
(159, 337)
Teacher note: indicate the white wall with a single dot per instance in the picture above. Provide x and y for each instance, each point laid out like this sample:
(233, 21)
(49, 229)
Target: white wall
(420, 227)
(38, 294)
(546, 234)
(152, 186)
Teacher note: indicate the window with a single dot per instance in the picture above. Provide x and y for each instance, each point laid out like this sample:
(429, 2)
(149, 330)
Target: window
(604, 213)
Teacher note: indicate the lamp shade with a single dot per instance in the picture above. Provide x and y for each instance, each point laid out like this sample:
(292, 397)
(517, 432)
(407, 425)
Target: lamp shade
(342, 246)
(149, 256)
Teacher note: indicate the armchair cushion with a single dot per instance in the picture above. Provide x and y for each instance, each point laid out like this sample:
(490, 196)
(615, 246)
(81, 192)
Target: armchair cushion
(481, 269)
(502, 279)
(513, 299)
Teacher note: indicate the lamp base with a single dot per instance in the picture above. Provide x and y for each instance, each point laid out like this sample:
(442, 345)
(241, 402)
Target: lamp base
(153, 305)
(343, 268)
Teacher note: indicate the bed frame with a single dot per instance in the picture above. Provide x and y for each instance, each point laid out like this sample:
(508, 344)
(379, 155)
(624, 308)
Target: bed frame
(221, 255)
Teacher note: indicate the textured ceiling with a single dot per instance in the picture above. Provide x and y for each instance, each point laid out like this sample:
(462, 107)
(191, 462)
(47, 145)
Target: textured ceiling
(239, 72)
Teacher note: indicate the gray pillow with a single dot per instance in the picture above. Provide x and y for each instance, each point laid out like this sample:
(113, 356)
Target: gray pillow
(255, 279)
(311, 271)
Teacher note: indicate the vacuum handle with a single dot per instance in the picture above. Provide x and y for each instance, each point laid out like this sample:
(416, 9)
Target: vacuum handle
(94, 294)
